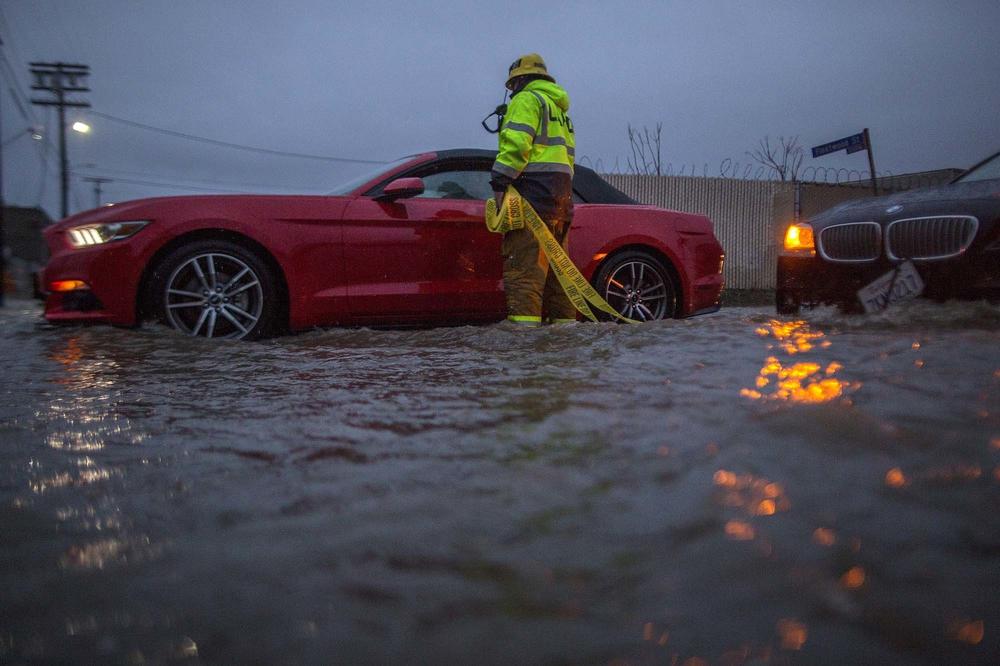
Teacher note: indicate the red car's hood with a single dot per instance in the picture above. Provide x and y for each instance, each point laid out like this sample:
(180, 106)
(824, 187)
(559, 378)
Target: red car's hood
(158, 207)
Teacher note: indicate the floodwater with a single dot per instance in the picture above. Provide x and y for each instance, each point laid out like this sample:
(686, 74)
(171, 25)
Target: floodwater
(736, 488)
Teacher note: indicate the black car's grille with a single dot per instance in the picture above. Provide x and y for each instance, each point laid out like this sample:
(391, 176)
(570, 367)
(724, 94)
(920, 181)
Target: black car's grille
(858, 241)
(930, 237)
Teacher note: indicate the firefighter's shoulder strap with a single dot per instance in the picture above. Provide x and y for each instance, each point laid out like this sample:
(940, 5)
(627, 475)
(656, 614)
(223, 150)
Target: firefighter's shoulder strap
(516, 213)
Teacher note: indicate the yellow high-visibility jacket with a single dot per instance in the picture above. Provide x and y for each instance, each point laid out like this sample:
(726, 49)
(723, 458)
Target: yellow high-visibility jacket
(537, 148)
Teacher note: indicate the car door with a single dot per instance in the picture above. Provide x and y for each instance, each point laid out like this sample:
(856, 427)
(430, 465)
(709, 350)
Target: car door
(427, 258)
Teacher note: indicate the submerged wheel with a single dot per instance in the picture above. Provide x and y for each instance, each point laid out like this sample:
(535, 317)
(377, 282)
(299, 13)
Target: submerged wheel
(786, 303)
(216, 289)
(637, 285)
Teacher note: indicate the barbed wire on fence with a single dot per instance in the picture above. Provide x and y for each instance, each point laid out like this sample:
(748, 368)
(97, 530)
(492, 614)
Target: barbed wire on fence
(814, 175)
(732, 169)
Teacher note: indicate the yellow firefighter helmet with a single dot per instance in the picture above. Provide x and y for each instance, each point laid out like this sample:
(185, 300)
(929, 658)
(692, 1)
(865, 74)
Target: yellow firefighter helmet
(528, 64)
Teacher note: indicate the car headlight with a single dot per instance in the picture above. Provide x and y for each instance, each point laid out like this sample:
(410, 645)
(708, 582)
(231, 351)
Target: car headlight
(799, 240)
(97, 234)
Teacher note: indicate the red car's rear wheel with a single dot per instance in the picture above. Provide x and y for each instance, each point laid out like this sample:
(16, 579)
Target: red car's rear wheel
(216, 289)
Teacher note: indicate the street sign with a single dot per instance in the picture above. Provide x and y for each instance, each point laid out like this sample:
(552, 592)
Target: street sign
(851, 144)
(856, 146)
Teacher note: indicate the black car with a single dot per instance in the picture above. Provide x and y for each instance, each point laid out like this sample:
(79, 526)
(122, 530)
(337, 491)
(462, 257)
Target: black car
(940, 242)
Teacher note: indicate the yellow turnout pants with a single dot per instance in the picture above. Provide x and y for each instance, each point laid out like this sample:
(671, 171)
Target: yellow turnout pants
(533, 292)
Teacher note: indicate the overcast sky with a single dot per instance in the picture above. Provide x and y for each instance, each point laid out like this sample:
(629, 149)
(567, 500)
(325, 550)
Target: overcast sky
(375, 81)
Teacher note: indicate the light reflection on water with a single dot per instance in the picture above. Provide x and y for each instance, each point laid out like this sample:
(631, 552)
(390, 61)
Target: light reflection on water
(803, 381)
(728, 489)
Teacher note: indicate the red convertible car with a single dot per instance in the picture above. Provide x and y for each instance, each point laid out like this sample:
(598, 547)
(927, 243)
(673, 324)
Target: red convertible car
(405, 246)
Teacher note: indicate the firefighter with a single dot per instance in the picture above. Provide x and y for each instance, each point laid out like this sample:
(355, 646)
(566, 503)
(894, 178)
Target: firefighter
(535, 156)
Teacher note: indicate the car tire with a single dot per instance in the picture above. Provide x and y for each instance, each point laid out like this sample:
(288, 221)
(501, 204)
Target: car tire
(785, 303)
(637, 285)
(216, 289)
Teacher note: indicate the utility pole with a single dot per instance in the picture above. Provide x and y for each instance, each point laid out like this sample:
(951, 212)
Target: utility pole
(60, 78)
(97, 188)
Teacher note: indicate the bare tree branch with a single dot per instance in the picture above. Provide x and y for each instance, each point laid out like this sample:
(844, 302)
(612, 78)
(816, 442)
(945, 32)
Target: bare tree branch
(646, 150)
(784, 159)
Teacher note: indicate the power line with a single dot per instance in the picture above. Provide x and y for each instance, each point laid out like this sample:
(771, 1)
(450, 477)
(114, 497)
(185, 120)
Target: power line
(28, 114)
(6, 27)
(22, 102)
(170, 186)
(11, 139)
(97, 187)
(20, 99)
(227, 144)
(46, 149)
(175, 179)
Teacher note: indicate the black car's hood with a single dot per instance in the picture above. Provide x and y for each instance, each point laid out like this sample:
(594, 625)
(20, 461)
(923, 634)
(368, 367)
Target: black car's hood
(876, 207)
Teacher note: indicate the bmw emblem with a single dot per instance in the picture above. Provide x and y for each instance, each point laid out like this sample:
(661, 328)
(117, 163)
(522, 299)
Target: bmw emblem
(892, 210)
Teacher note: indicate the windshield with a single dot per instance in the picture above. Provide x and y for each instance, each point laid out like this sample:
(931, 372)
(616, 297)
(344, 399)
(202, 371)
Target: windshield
(986, 171)
(371, 174)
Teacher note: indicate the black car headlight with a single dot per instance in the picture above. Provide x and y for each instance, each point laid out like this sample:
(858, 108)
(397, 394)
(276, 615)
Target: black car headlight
(88, 235)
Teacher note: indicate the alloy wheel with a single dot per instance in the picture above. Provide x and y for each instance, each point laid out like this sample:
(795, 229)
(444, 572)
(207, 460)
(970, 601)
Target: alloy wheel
(214, 295)
(638, 291)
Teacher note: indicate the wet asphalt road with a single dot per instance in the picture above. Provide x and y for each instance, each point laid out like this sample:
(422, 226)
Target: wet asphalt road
(734, 488)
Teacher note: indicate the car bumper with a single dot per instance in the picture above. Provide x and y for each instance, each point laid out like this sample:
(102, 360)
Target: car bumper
(110, 276)
(813, 281)
(706, 294)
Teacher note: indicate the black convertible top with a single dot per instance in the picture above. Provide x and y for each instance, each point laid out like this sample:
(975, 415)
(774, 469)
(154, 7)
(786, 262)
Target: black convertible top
(586, 183)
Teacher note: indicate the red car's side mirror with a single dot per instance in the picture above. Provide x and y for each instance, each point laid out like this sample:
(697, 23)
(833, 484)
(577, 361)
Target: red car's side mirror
(402, 188)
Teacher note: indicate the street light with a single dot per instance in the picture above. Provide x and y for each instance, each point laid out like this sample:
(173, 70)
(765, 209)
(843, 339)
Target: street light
(81, 127)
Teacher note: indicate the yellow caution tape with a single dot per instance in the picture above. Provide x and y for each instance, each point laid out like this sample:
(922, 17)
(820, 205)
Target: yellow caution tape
(516, 213)
(511, 215)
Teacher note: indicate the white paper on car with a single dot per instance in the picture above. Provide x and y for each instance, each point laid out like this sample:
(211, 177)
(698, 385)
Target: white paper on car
(876, 295)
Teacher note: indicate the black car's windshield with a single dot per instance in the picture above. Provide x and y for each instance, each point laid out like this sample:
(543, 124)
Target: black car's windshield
(986, 171)
(370, 174)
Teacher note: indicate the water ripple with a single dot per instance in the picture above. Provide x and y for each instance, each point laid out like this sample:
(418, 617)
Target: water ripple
(734, 488)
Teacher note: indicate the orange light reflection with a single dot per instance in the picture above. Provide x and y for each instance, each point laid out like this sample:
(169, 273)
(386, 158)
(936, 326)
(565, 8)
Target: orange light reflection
(794, 336)
(737, 530)
(967, 631)
(824, 536)
(801, 382)
(756, 495)
(793, 633)
(895, 478)
(853, 578)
